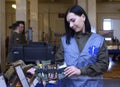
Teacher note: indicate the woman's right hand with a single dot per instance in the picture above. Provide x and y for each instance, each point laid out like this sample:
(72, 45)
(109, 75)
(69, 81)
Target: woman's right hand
(71, 71)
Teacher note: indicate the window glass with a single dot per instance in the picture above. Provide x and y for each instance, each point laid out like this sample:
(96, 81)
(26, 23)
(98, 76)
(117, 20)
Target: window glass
(107, 24)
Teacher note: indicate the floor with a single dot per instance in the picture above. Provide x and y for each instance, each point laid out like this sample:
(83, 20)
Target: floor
(113, 70)
(112, 77)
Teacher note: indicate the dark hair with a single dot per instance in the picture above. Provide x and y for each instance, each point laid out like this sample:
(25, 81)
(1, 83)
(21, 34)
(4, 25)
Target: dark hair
(20, 22)
(78, 11)
(14, 26)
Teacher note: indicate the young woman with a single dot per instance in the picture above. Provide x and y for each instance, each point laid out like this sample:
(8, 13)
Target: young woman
(17, 38)
(84, 52)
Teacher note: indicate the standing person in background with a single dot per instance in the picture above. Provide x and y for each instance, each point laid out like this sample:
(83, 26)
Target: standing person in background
(22, 30)
(17, 38)
(84, 52)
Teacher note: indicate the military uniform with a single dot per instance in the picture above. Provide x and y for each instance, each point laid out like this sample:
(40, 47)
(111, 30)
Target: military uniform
(81, 40)
(89, 66)
(14, 40)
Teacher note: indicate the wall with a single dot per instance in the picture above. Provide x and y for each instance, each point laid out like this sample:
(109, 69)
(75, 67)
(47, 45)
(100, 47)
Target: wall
(48, 18)
(107, 10)
(10, 17)
(49, 21)
(112, 11)
(116, 27)
(2, 34)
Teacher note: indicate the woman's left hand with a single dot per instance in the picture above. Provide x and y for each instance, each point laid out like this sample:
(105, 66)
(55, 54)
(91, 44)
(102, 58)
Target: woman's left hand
(71, 70)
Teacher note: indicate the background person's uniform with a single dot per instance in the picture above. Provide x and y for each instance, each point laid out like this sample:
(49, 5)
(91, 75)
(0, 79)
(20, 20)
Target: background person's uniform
(14, 40)
(90, 74)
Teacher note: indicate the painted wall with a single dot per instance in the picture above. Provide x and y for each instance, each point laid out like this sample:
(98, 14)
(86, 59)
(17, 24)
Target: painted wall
(50, 20)
(112, 11)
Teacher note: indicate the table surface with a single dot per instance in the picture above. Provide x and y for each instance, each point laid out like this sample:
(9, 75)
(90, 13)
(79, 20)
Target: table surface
(114, 51)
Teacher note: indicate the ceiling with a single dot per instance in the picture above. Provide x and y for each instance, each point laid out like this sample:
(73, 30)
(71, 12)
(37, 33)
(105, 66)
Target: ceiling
(67, 1)
(47, 1)
(108, 0)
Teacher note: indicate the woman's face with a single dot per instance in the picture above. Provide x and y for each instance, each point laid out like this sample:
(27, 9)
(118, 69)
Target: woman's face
(76, 22)
(21, 27)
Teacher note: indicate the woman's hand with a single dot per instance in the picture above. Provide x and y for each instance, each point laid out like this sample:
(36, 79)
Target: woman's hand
(71, 70)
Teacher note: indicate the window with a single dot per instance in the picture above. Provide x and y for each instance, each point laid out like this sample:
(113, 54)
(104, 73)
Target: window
(107, 24)
(108, 39)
